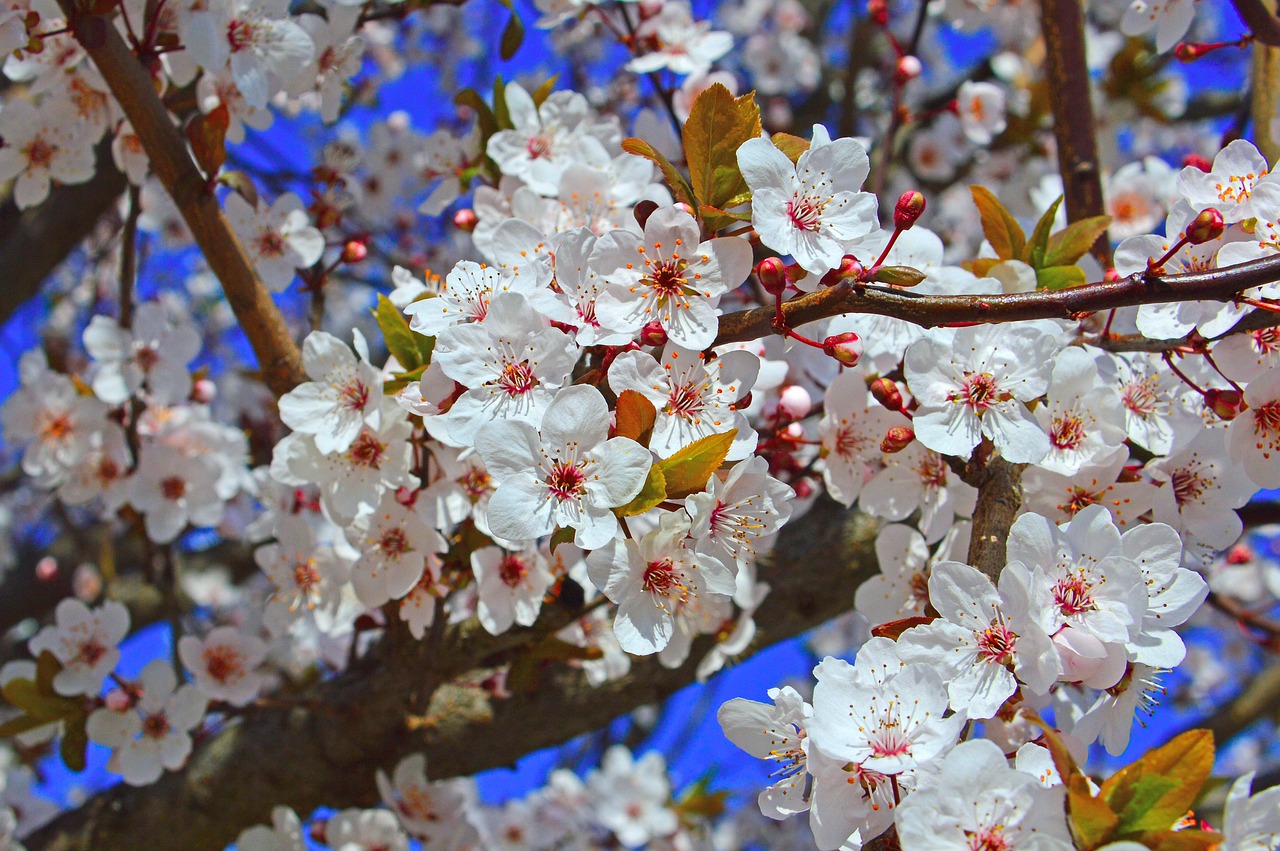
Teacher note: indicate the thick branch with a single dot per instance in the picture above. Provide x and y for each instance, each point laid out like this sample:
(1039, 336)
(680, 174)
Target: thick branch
(1062, 23)
(1264, 25)
(277, 354)
(999, 485)
(327, 748)
(931, 311)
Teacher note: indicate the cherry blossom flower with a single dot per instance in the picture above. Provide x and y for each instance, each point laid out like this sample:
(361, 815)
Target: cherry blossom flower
(901, 588)
(812, 210)
(264, 47)
(568, 473)
(510, 585)
(980, 106)
(42, 146)
(465, 297)
(650, 579)
(975, 642)
(1061, 497)
(394, 541)
(1200, 487)
(344, 392)
(279, 239)
(633, 796)
(172, 490)
(151, 731)
(852, 427)
(1148, 393)
(580, 288)
(431, 812)
(1174, 593)
(974, 383)
(443, 159)
(1169, 18)
(918, 479)
(305, 578)
(1082, 415)
(1251, 823)
(979, 801)
(775, 732)
(365, 830)
(511, 363)
(337, 57)
(695, 396)
(85, 642)
(546, 139)
(683, 45)
(1253, 438)
(1110, 718)
(730, 517)
(155, 350)
(53, 423)
(669, 276)
(1240, 186)
(224, 664)
(285, 834)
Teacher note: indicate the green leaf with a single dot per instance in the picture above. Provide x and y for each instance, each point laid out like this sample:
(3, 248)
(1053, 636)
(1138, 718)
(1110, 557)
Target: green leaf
(688, 471)
(512, 33)
(75, 741)
(561, 535)
(1183, 840)
(651, 494)
(1034, 251)
(899, 276)
(635, 416)
(19, 725)
(485, 119)
(1059, 277)
(411, 349)
(402, 380)
(544, 91)
(1068, 245)
(792, 146)
(47, 667)
(680, 187)
(500, 111)
(242, 183)
(717, 126)
(1091, 819)
(1000, 228)
(1157, 790)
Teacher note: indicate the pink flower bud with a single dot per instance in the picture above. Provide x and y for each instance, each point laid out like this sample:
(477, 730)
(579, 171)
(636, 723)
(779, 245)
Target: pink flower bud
(683, 206)
(466, 219)
(878, 10)
(886, 392)
(908, 209)
(795, 431)
(653, 334)
(1227, 404)
(1197, 161)
(743, 403)
(772, 273)
(406, 496)
(1189, 52)
(47, 569)
(848, 270)
(794, 402)
(1205, 227)
(1239, 554)
(1111, 276)
(897, 439)
(846, 348)
(355, 251)
(803, 489)
(86, 582)
(909, 68)
(203, 391)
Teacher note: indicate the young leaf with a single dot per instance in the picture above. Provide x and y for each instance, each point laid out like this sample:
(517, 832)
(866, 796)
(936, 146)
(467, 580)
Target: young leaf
(412, 350)
(541, 94)
(561, 535)
(653, 492)
(207, 134)
(75, 742)
(635, 416)
(1000, 228)
(688, 471)
(485, 118)
(500, 111)
(718, 124)
(512, 33)
(792, 146)
(1034, 252)
(1157, 790)
(1068, 245)
(1059, 277)
(680, 187)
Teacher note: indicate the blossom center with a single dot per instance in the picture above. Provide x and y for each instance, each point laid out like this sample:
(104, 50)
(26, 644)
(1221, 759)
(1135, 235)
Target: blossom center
(1078, 499)
(155, 726)
(1073, 595)
(56, 428)
(512, 570)
(566, 480)
(538, 147)
(660, 577)
(91, 651)
(987, 839)
(666, 278)
(1067, 432)
(367, 451)
(517, 378)
(240, 34)
(223, 663)
(996, 644)
(1188, 485)
(474, 483)
(353, 396)
(394, 542)
(1140, 396)
(39, 153)
(173, 487)
(980, 391)
(805, 213)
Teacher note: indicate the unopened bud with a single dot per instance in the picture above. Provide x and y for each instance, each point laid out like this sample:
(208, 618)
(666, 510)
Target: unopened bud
(795, 431)
(772, 273)
(1227, 404)
(1111, 275)
(909, 68)
(1239, 554)
(878, 10)
(846, 348)
(466, 219)
(47, 569)
(203, 391)
(1197, 161)
(355, 251)
(406, 496)
(743, 403)
(86, 582)
(653, 334)
(908, 209)
(803, 489)
(848, 270)
(886, 392)
(794, 402)
(643, 210)
(1205, 227)
(1188, 52)
(680, 205)
(897, 439)
(899, 276)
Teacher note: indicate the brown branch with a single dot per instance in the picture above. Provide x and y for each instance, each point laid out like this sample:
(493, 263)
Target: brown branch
(999, 485)
(931, 311)
(1062, 23)
(1264, 25)
(278, 355)
(304, 757)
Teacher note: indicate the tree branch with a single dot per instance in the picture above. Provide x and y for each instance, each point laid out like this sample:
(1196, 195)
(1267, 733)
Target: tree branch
(278, 355)
(325, 749)
(931, 311)
(1264, 25)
